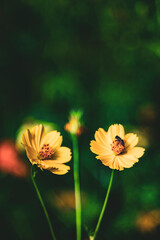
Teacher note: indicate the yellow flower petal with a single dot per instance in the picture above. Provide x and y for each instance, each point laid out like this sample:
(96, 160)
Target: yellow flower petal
(38, 134)
(32, 140)
(111, 161)
(98, 148)
(106, 159)
(127, 160)
(31, 153)
(116, 130)
(26, 140)
(53, 139)
(102, 137)
(50, 164)
(122, 163)
(115, 164)
(130, 141)
(136, 151)
(120, 167)
(58, 172)
(59, 169)
(62, 155)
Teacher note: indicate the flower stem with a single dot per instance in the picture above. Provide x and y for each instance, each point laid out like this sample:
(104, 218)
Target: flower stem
(104, 206)
(77, 185)
(42, 203)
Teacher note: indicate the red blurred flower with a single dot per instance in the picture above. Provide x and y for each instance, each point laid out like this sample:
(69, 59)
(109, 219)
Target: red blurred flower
(10, 162)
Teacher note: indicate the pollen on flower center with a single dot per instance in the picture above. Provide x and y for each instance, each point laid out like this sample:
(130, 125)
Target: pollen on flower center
(45, 152)
(117, 145)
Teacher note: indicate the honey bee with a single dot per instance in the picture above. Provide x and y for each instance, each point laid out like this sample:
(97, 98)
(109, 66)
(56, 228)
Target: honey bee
(120, 140)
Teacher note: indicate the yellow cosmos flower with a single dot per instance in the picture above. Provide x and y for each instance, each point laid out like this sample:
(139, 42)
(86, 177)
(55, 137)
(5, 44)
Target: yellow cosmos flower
(45, 150)
(29, 124)
(115, 149)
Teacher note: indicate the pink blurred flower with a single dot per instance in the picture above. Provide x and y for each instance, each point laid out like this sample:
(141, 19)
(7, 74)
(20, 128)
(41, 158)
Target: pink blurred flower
(10, 162)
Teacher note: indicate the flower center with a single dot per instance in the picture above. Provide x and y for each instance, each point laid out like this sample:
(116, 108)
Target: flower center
(117, 145)
(45, 152)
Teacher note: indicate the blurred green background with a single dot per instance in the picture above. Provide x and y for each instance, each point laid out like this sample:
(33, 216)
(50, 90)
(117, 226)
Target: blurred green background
(104, 58)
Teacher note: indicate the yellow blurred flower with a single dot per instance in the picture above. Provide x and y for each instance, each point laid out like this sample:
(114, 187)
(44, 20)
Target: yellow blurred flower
(74, 126)
(143, 135)
(115, 149)
(147, 222)
(45, 150)
(65, 200)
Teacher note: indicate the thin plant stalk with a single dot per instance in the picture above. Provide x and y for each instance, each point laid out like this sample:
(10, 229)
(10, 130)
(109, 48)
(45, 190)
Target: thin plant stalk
(42, 203)
(104, 206)
(77, 185)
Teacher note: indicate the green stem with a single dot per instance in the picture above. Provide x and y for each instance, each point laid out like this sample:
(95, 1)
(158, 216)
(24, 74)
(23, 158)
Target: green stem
(77, 185)
(104, 206)
(42, 203)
